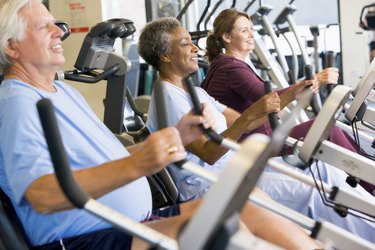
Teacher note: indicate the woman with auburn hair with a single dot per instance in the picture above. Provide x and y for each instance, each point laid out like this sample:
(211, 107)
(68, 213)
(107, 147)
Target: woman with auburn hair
(233, 82)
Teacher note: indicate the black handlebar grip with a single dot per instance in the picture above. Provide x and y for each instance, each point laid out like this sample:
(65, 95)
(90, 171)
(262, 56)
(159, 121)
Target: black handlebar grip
(267, 87)
(308, 72)
(330, 59)
(197, 108)
(272, 117)
(292, 79)
(330, 63)
(314, 102)
(58, 155)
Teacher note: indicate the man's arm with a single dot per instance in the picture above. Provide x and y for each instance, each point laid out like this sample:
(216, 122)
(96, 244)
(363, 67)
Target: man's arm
(189, 127)
(45, 195)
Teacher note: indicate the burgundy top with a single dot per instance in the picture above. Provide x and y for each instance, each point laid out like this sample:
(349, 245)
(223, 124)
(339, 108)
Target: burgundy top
(234, 83)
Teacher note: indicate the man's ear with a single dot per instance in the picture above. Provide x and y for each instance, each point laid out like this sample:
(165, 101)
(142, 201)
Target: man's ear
(11, 49)
(165, 58)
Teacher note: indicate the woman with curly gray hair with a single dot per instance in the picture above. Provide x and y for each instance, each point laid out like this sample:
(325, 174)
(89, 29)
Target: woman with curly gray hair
(155, 40)
(167, 46)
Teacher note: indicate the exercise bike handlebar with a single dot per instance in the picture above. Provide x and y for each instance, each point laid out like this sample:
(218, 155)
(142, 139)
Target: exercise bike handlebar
(80, 198)
(94, 78)
(219, 139)
(272, 117)
(58, 155)
(330, 63)
(282, 131)
(197, 107)
(308, 72)
(321, 230)
(183, 10)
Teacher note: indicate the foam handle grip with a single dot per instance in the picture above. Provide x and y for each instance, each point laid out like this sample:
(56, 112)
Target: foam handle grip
(330, 59)
(58, 155)
(291, 77)
(159, 93)
(267, 87)
(272, 117)
(197, 107)
(309, 76)
(308, 72)
(330, 63)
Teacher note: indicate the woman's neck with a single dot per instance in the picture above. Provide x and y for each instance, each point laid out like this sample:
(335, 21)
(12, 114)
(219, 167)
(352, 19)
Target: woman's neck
(236, 54)
(172, 78)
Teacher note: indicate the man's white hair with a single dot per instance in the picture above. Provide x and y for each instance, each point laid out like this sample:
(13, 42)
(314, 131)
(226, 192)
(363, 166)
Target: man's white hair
(12, 26)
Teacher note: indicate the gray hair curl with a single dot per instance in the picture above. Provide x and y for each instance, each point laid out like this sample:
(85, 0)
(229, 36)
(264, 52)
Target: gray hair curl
(155, 40)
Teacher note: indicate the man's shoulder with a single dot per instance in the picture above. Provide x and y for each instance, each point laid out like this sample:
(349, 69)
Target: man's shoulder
(16, 92)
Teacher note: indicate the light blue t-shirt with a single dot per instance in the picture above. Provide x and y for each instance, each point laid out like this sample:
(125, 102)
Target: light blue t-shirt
(178, 104)
(24, 157)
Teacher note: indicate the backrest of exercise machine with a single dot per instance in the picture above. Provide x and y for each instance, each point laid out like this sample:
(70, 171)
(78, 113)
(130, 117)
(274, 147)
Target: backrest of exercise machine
(163, 189)
(12, 233)
(132, 77)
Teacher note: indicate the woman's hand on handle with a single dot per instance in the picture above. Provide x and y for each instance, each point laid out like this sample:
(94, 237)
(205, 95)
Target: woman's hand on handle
(191, 126)
(328, 76)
